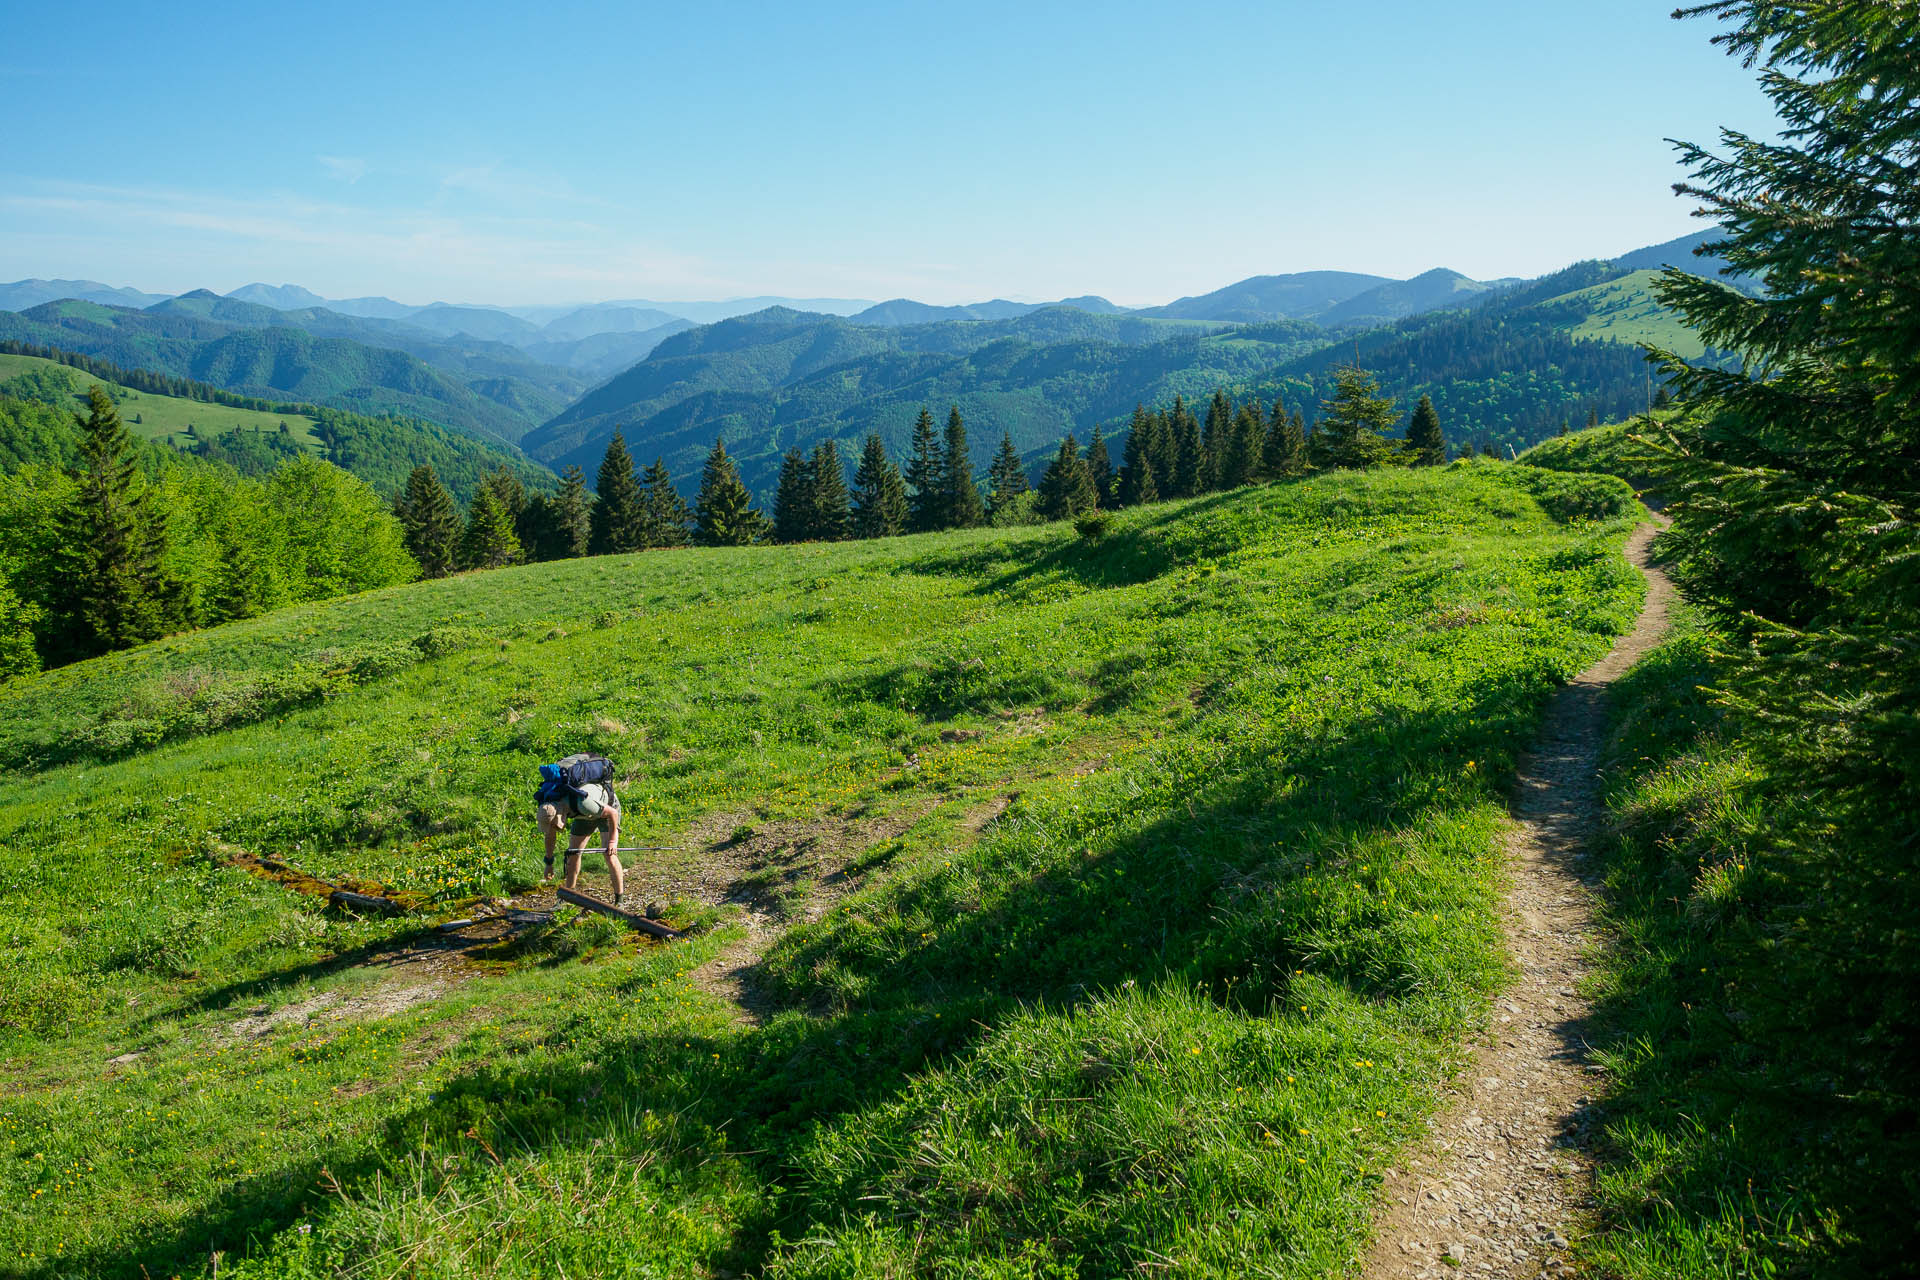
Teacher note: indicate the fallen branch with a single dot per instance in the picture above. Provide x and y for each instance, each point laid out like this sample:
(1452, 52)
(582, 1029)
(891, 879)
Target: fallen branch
(640, 922)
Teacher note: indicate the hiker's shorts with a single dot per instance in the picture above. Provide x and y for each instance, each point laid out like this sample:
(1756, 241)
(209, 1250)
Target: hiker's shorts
(584, 827)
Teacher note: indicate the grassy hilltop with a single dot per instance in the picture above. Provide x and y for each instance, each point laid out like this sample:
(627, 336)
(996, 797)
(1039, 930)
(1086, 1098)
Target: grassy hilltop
(1122, 899)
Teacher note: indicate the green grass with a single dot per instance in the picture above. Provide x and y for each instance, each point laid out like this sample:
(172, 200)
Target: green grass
(1608, 449)
(1175, 1006)
(1625, 310)
(163, 418)
(1741, 1137)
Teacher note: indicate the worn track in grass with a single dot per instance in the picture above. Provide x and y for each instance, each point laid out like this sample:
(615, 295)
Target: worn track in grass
(1504, 1177)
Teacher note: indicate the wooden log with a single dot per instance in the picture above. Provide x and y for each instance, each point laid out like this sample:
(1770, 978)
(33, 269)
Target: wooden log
(630, 918)
(364, 902)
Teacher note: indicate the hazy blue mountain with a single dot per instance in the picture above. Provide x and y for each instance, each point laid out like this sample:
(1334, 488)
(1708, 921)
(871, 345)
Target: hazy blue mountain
(475, 322)
(22, 294)
(1300, 296)
(905, 311)
(606, 317)
(286, 297)
(1397, 299)
(375, 308)
(601, 355)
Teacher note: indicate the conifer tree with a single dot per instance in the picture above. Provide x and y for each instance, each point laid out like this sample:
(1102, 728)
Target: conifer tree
(510, 493)
(616, 519)
(828, 484)
(1189, 465)
(964, 509)
(793, 499)
(1066, 488)
(1214, 442)
(1425, 443)
(489, 540)
(879, 494)
(1466, 448)
(1284, 453)
(1007, 477)
(571, 517)
(114, 591)
(1137, 484)
(1165, 451)
(1100, 468)
(1593, 419)
(1356, 418)
(724, 515)
(429, 522)
(1240, 459)
(926, 500)
(667, 517)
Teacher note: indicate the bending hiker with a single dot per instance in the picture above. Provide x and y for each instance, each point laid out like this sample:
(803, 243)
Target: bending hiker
(576, 795)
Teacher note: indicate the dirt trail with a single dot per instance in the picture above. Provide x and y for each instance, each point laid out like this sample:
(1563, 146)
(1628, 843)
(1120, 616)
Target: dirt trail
(1500, 1182)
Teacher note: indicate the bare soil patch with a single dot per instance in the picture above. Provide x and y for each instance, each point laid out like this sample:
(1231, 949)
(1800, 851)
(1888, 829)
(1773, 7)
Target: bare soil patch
(1503, 1178)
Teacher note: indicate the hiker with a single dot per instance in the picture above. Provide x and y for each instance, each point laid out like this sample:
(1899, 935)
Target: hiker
(567, 801)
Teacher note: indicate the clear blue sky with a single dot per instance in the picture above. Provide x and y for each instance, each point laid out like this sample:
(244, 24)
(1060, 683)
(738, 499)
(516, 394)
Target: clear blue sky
(518, 153)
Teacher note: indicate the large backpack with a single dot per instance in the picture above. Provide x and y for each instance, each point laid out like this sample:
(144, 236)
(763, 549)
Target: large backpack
(563, 779)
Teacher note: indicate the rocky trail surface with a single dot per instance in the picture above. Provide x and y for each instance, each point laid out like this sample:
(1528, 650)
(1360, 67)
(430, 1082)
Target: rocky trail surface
(1504, 1176)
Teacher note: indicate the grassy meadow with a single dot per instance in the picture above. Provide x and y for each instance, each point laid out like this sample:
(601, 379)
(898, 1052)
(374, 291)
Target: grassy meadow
(158, 417)
(1154, 891)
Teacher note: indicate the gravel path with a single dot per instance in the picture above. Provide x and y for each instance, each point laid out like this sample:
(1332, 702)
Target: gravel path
(1504, 1177)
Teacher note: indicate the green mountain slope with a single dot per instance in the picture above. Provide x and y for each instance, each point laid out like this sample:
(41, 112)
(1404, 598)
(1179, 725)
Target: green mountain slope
(203, 337)
(778, 379)
(244, 432)
(1109, 900)
(1511, 371)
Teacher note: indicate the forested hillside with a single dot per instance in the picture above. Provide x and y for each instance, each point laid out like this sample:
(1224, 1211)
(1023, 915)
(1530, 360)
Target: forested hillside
(496, 393)
(779, 378)
(243, 431)
(1504, 368)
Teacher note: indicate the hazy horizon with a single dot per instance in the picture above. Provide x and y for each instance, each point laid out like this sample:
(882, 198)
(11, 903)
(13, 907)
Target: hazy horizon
(865, 154)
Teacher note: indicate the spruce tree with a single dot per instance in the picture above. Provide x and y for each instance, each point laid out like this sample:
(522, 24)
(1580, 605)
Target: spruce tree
(113, 591)
(1137, 483)
(1593, 419)
(510, 493)
(1425, 443)
(879, 494)
(926, 500)
(666, 515)
(1100, 467)
(616, 520)
(1066, 488)
(793, 499)
(829, 490)
(571, 518)
(1240, 457)
(1284, 453)
(429, 522)
(1007, 477)
(1214, 443)
(964, 509)
(724, 515)
(489, 540)
(1165, 451)
(1189, 465)
(1355, 422)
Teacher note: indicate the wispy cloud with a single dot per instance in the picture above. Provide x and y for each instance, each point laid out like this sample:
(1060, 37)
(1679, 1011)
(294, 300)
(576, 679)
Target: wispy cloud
(348, 169)
(339, 247)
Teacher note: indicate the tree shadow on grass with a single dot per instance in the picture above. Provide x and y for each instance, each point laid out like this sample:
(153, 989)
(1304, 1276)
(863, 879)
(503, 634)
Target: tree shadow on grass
(1230, 890)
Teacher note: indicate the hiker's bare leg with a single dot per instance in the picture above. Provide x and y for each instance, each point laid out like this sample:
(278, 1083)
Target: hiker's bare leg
(574, 845)
(610, 841)
(548, 832)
